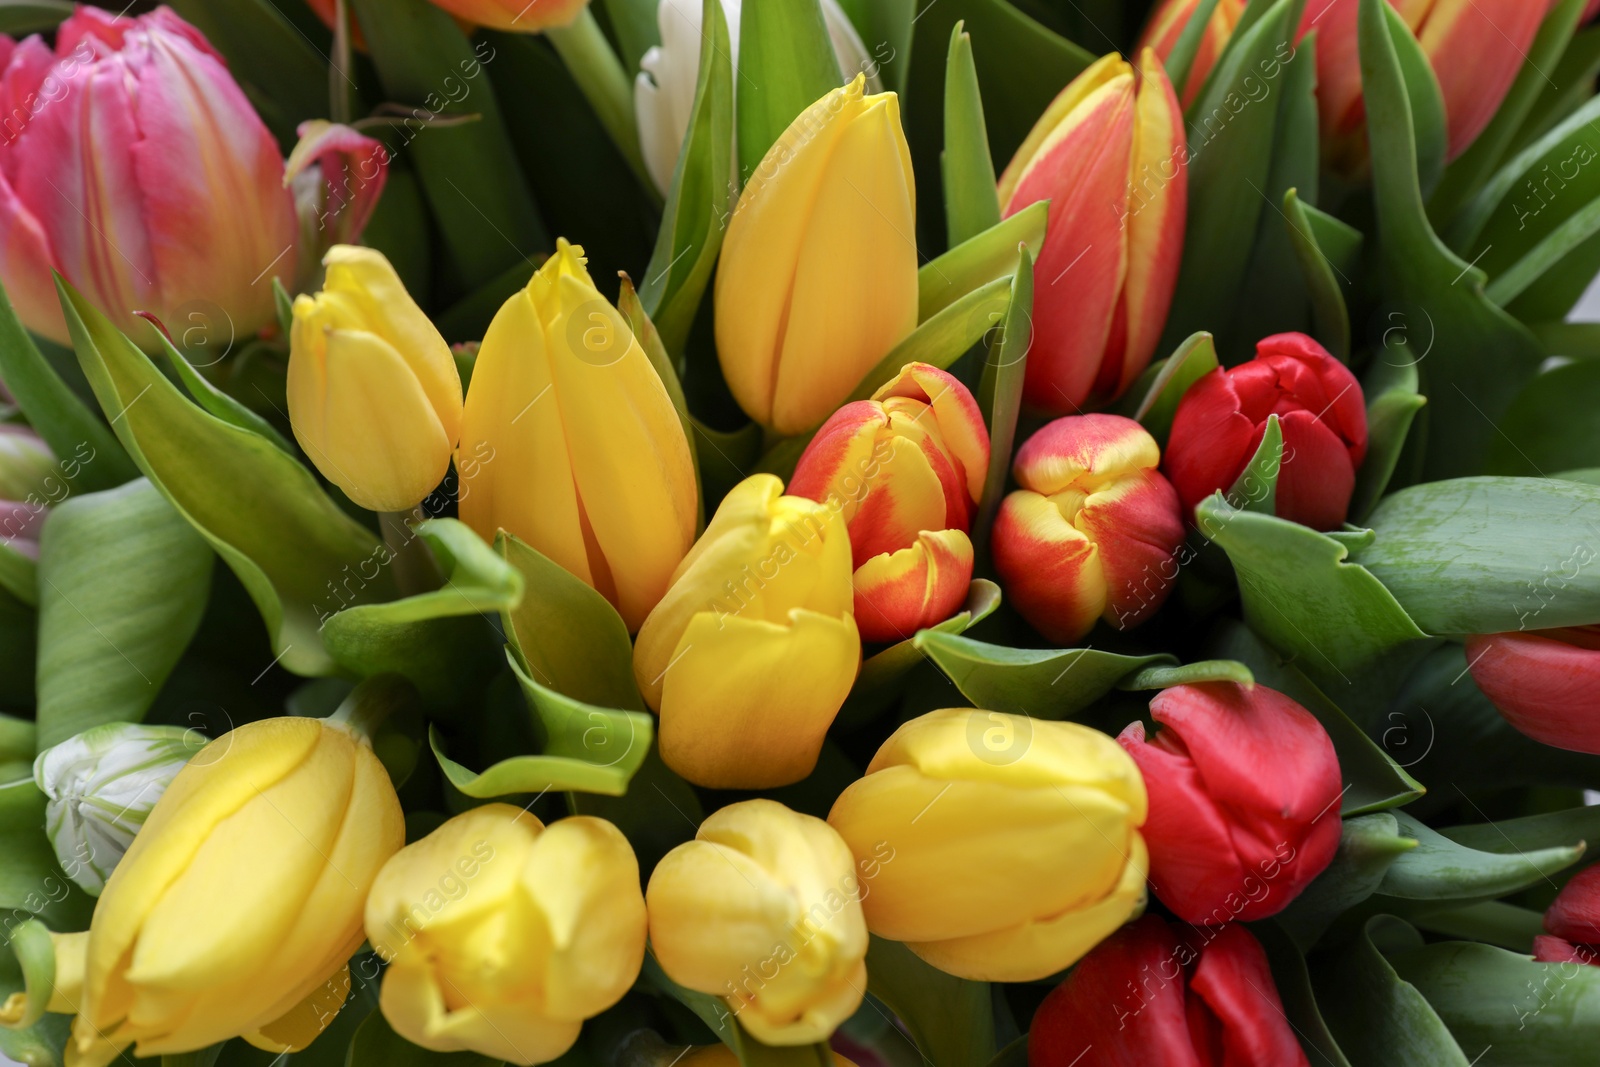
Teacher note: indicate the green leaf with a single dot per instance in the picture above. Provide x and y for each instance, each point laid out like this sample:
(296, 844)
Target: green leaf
(634, 22)
(1519, 1012)
(35, 952)
(1570, 85)
(699, 202)
(1552, 425)
(981, 258)
(945, 337)
(1374, 1014)
(1256, 488)
(216, 401)
(1042, 683)
(486, 218)
(1441, 869)
(1194, 359)
(1493, 922)
(437, 640)
(1299, 1002)
(19, 575)
(31, 881)
(1392, 405)
(1000, 396)
(606, 87)
(377, 1045)
(74, 433)
(1368, 845)
(1426, 99)
(885, 27)
(971, 200)
(1206, 670)
(951, 1020)
(1531, 832)
(1477, 356)
(1180, 61)
(786, 64)
(292, 547)
(1325, 280)
(1487, 555)
(123, 581)
(721, 1021)
(21, 17)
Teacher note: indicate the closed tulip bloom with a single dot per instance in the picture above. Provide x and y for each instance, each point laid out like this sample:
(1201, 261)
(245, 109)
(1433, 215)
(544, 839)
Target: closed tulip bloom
(374, 395)
(1572, 922)
(503, 935)
(517, 16)
(763, 909)
(1321, 412)
(763, 599)
(663, 92)
(1171, 18)
(1150, 996)
(905, 469)
(1543, 682)
(236, 907)
(1094, 530)
(818, 275)
(1244, 793)
(1015, 842)
(1108, 154)
(573, 442)
(131, 162)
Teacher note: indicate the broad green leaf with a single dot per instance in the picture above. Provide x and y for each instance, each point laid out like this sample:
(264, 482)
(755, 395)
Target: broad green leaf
(1520, 1013)
(1375, 1015)
(720, 1019)
(885, 27)
(296, 553)
(1477, 356)
(1487, 555)
(786, 64)
(31, 881)
(944, 338)
(1180, 61)
(1441, 869)
(18, 740)
(1552, 425)
(1325, 280)
(1493, 922)
(1569, 338)
(1194, 359)
(981, 258)
(700, 200)
(123, 580)
(971, 201)
(634, 22)
(1368, 845)
(1392, 406)
(1373, 780)
(1299, 1002)
(216, 401)
(1000, 397)
(377, 1045)
(486, 218)
(1042, 683)
(950, 1019)
(438, 640)
(1531, 832)
(1256, 488)
(74, 433)
(1570, 85)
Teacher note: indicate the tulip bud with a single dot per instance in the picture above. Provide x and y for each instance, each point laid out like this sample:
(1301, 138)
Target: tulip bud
(1573, 922)
(906, 470)
(763, 909)
(571, 442)
(1109, 155)
(818, 275)
(101, 787)
(27, 467)
(1145, 996)
(1321, 412)
(1013, 843)
(374, 397)
(1244, 800)
(516, 16)
(1543, 683)
(762, 599)
(1167, 24)
(663, 91)
(1094, 530)
(721, 1056)
(503, 935)
(131, 162)
(236, 907)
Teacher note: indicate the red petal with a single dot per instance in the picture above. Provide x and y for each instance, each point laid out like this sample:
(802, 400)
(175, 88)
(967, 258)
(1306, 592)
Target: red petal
(1543, 687)
(1315, 479)
(1234, 981)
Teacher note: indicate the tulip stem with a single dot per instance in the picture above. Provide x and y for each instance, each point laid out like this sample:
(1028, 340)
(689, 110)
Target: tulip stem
(339, 70)
(371, 702)
(594, 65)
(414, 569)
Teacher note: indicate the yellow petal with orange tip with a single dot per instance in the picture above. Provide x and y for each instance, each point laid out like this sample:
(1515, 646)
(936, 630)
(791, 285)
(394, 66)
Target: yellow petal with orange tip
(899, 593)
(959, 423)
(1048, 568)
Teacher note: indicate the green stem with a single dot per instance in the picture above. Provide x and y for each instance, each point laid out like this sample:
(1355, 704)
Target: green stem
(339, 70)
(594, 65)
(371, 702)
(413, 567)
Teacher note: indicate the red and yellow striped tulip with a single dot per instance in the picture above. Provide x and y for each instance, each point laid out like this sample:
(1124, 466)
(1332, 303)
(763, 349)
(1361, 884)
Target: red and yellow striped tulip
(1167, 24)
(1108, 153)
(515, 16)
(905, 470)
(1094, 530)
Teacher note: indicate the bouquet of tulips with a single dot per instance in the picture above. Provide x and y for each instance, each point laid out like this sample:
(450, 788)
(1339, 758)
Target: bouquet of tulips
(626, 533)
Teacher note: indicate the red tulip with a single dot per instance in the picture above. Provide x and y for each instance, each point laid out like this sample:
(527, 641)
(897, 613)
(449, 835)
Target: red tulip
(1323, 416)
(1544, 683)
(905, 469)
(1093, 531)
(1108, 153)
(1573, 922)
(1244, 800)
(1167, 24)
(1144, 997)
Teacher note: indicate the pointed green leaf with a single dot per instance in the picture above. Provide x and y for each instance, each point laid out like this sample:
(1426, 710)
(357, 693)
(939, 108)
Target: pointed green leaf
(1441, 869)
(1000, 397)
(980, 259)
(1530, 833)
(1256, 488)
(1324, 280)
(1194, 359)
(1180, 61)
(1206, 670)
(786, 64)
(216, 401)
(1392, 406)
(971, 201)
(1426, 99)
(1552, 425)
(1368, 845)
(1042, 683)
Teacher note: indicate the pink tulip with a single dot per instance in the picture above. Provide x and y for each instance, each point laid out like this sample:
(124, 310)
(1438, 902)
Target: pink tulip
(132, 163)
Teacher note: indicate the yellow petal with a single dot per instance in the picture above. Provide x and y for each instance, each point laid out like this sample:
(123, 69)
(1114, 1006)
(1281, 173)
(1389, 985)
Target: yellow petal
(415, 1007)
(301, 1025)
(714, 912)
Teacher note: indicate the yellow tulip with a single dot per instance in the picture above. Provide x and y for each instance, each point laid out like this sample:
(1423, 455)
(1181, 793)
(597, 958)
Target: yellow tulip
(502, 935)
(66, 983)
(571, 442)
(1015, 841)
(818, 275)
(722, 1056)
(763, 909)
(238, 903)
(751, 653)
(374, 396)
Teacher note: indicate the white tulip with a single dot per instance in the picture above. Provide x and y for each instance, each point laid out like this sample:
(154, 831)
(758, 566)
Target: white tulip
(663, 92)
(101, 785)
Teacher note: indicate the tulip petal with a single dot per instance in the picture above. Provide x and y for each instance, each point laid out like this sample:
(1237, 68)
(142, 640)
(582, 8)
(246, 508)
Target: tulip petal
(1137, 526)
(961, 429)
(1542, 686)
(904, 495)
(899, 593)
(1087, 451)
(1235, 982)
(1476, 48)
(414, 1007)
(1210, 441)
(25, 264)
(1050, 570)
(1315, 479)
(307, 1019)
(350, 175)
(703, 947)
